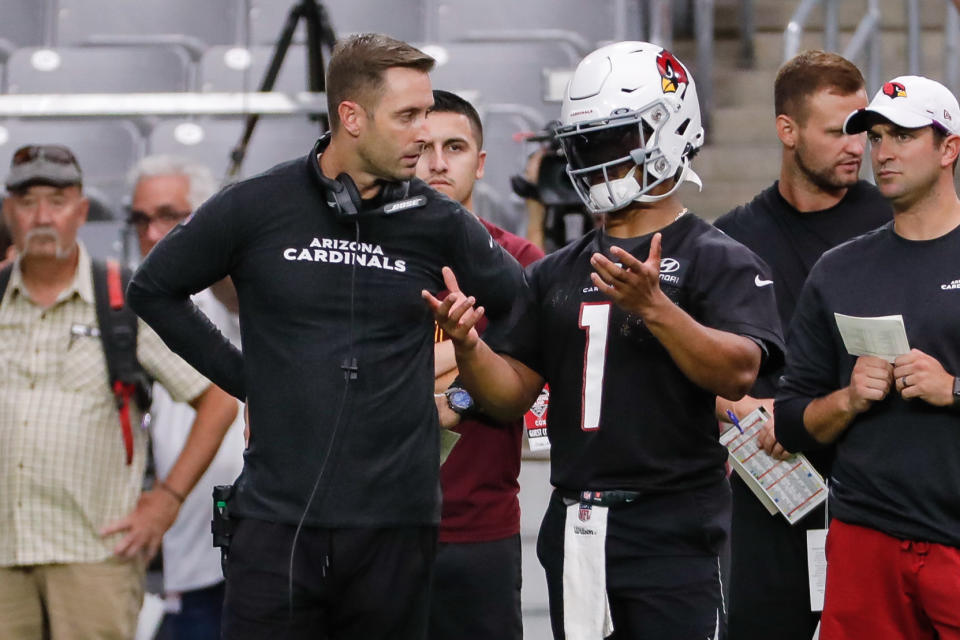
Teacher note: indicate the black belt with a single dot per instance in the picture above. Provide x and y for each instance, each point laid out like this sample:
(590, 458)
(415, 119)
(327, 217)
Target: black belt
(610, 498)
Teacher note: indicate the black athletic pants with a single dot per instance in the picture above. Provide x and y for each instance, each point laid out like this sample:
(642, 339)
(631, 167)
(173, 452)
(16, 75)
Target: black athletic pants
(348, 584)
(476, 591)
(662, 564)
(769, 589)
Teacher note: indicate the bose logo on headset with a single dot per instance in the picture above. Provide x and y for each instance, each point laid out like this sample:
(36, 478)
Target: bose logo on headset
(344, 197)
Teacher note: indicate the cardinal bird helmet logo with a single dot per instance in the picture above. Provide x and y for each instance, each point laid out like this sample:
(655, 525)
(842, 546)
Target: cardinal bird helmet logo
(894, 90)
(671, 71)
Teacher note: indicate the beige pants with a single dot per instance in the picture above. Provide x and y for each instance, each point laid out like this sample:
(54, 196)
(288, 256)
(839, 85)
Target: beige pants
(84, 601)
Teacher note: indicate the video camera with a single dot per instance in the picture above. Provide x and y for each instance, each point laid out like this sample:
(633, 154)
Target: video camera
(565, 219)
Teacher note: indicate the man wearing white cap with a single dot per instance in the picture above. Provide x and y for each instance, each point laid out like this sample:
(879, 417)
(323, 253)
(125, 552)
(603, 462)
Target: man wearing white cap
(893, 550)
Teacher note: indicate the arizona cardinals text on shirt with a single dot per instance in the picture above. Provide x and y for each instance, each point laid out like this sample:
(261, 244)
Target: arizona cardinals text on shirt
(338, 251)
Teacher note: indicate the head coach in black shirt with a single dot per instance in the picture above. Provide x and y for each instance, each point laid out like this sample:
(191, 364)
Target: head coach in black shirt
(339, 496)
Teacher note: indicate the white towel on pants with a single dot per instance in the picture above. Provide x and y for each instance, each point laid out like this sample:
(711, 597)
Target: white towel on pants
(586, 610)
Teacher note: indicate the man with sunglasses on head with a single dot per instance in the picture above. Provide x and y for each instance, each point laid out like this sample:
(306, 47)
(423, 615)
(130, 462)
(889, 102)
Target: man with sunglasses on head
(636, 327)
(165, 190)
(75, 530)
(893, 549)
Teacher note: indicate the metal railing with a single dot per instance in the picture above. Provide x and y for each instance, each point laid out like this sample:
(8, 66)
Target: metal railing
(660, 31)
(866, 38)
(793, 34)
(952, 47)
(865, 41)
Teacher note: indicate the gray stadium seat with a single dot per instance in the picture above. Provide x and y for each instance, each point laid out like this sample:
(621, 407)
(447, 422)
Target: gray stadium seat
(501, 72)
(98, 70)
(105, 149)
(195, 23)
(107, 239)
(593, 20)
(22, 24)
(227, 68)
(210, 141)
(402, 19)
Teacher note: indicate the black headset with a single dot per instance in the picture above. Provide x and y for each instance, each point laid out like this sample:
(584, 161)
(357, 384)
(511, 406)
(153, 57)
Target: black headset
(344, 198)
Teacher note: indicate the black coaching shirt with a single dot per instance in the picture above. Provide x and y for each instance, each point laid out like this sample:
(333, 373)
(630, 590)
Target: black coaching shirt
(897, 468)
(622, 415)
(316, 293)
(791, 242)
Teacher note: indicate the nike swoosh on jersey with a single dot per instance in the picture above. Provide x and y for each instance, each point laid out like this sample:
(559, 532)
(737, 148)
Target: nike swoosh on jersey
(761, 283)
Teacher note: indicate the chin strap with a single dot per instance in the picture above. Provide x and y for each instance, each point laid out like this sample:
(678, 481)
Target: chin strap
(686, 175)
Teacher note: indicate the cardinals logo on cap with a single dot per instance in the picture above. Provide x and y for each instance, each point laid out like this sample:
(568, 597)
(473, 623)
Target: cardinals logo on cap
(671, 71)
(894, 90)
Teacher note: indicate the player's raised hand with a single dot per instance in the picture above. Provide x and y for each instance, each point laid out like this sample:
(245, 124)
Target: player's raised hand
(456, 313)
(870, 381)
(633, 285)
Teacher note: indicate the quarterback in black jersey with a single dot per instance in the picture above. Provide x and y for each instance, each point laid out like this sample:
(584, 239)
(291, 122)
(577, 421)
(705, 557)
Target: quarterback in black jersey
(636, 328)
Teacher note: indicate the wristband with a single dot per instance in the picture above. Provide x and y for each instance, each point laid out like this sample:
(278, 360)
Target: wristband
(160, 484)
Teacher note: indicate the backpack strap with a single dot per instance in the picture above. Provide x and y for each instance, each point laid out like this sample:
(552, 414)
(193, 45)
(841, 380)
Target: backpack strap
(5, 274)
(118, 335)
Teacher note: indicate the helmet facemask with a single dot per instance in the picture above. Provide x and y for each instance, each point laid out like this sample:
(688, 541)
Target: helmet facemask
(630, 123)
(617, 160)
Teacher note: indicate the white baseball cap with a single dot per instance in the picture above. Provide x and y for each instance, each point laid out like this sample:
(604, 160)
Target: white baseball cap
(910, 102)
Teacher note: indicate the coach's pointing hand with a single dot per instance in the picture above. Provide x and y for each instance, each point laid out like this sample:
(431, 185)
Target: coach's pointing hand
(456, 314)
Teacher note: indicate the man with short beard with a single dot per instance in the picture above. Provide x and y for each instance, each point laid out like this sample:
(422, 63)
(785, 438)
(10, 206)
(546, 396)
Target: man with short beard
(75, 529)
(818, 203)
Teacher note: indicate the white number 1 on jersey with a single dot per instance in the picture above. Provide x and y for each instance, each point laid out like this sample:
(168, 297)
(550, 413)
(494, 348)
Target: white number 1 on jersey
(595, 320)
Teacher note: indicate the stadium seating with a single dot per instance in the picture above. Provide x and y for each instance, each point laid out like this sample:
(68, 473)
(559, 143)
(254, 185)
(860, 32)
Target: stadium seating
(210, 141)
(592, 21)
(403, 19)
(116, 69)
(23, 24)
(194, 23)
(226, 68)
(508, 72)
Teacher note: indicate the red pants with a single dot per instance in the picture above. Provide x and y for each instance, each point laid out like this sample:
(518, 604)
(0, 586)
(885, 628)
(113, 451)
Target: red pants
(883, 588)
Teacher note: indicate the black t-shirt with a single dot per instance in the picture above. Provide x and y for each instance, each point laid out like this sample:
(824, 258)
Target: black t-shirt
(315, 293)
(791, 241)
(622, 414)
(897, 467)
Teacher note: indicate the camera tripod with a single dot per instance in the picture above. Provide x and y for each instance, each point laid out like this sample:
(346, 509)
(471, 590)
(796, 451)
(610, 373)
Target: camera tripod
(319, 34)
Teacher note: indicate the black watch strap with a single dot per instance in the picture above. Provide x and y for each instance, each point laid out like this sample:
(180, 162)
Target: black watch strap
(459, 400)
(956, 392)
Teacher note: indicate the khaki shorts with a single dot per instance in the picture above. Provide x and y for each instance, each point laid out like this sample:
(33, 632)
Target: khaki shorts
(71, 601)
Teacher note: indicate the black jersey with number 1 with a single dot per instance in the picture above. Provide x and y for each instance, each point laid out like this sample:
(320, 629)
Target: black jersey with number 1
(622, 414)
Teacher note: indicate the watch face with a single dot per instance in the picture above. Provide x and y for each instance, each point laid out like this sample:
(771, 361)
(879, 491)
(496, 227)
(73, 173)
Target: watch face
(459, 400)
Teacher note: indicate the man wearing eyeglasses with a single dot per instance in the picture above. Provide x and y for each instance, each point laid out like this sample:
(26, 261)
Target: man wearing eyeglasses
(75, 530)
(165, 190)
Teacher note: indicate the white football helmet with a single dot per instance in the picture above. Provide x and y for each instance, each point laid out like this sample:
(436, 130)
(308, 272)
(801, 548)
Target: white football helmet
(630, 121)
